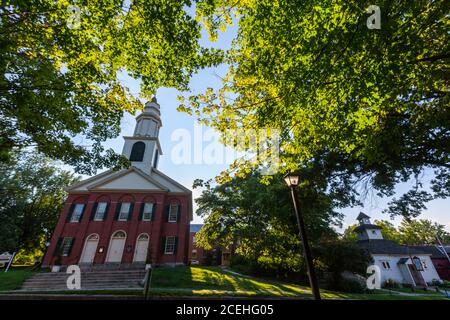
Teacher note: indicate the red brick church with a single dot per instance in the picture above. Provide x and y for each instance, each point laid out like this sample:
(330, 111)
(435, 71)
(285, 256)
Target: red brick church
(130, 216)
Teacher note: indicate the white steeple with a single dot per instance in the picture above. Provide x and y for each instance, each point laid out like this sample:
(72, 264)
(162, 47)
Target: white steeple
(366, 230)
(149, 121)
(143, 148)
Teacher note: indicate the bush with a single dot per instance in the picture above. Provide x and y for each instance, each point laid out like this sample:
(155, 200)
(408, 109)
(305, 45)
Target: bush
(350, 286)
(391, 284)
(259, 268)
(435, 283)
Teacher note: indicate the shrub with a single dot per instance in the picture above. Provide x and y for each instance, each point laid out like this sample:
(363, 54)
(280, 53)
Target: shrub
(391, 284)
(350, 286)
(435, 283)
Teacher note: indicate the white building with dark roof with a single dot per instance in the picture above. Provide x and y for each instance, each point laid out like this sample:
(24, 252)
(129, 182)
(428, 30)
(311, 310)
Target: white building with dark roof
(403, 264)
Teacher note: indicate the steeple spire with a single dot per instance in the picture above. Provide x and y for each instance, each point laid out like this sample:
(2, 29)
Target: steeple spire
(143, 148)
(366, 230)
(363, 218)
(149, 121)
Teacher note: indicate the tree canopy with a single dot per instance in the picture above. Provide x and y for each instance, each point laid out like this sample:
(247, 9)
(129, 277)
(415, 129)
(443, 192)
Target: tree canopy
(62, 64)
(376, 99)
(409, 232)
(32, 196)
(260, 218)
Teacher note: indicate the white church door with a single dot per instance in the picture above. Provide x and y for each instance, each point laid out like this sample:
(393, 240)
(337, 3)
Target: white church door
(90, 248)
(116, 246)
(140, 253)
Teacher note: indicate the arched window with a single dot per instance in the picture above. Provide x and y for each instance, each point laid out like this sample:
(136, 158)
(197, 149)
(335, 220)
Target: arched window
(143, 237)
(119, 234)
(137, 152)
(93, 237)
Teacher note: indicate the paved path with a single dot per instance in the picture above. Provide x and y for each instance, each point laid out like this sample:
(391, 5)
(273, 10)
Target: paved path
(412, 294)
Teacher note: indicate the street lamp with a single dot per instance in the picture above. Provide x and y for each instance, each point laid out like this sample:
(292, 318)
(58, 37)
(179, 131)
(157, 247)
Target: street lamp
(291, 180)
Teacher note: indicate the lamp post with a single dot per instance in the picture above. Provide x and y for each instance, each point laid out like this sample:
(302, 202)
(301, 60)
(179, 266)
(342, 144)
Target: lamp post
(291, 180)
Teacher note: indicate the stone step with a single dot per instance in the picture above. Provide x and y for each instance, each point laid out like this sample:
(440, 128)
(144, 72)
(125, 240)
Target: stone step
(89, 279)
(113, 266)
(90, 276)
(98, 272)
(83, 279)
(103, 276)
(84, 285)
(92, 279)
(42, 283)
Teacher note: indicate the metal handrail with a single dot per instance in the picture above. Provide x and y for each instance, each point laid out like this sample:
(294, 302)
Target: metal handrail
(148, 280)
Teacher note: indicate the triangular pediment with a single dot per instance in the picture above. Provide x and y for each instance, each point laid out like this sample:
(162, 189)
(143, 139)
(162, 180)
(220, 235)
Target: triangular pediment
(132, 179)
(128, 180)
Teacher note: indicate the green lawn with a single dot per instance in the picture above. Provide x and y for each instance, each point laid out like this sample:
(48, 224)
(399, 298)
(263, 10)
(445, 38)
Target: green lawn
(214, 278)
(417, 291)
(14, 278)
(213, 282)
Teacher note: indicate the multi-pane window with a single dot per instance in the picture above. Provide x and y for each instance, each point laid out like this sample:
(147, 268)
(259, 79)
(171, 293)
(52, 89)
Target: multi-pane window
(173, 213)
(124, 211)
(170, 245)
(147, 213)
(77, 212)
(100, 212)
(66, 245)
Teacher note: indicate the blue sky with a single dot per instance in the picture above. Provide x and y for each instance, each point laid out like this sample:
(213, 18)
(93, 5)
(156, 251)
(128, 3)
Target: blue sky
(437, 210)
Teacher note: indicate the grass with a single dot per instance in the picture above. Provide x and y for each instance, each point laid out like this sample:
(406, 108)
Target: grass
(213, 282)
(416, 291)
(14, 278)
(214, 278)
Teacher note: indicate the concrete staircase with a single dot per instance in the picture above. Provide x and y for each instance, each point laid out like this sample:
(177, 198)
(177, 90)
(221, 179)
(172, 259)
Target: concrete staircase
(92, 278)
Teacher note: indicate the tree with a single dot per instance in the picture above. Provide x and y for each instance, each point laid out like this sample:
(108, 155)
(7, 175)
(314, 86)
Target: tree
(389, 231)
(62, 65)
(32, 196)
(422, 232)
(349, 233)
(376, 100)
(338, 256)
(259, 218)
(419, 232)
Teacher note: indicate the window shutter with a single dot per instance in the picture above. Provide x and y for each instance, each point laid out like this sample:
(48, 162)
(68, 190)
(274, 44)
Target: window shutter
(82, 213)
(69, 215)
(58, 247)
(72, 241)
(130, 211)
(94, 209)
(141, 211)
(166, 212)
(175, 245)
(163, 244)
(153, 212)
(106, 211)
(178, 213)
(118, 206)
